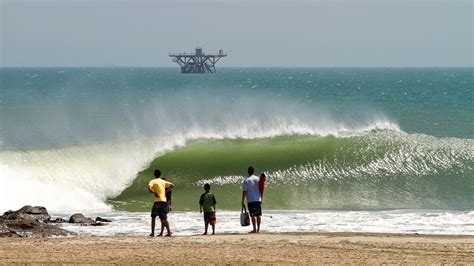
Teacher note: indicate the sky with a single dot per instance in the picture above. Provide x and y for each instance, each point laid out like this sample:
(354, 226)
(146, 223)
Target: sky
(286, 33)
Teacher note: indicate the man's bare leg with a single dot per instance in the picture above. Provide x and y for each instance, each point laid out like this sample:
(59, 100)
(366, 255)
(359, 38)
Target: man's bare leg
(167, 225)
(162, 228)
(258, 223)
(253, 224)
(152, 226)
(213, 229)
(206, 226)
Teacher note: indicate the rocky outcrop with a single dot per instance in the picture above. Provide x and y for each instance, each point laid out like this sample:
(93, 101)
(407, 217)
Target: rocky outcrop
(30, 228)
(80, 219)
(29, 222)
(58, 221)
(35, 221)
(100, 219)
(29, 213)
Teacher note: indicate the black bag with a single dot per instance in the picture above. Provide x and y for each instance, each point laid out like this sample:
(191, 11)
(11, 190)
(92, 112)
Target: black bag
(244, 216)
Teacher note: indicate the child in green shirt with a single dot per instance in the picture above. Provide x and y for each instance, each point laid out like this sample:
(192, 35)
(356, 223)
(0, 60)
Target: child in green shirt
(207, 203)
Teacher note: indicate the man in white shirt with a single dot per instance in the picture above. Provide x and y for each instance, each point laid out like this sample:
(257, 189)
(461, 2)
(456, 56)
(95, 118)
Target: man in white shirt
(251, 192)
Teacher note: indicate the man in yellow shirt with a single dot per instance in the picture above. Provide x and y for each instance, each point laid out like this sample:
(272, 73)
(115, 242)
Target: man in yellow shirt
(159, 187)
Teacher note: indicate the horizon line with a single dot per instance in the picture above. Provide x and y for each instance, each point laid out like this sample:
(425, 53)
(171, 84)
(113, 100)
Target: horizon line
(135, 66)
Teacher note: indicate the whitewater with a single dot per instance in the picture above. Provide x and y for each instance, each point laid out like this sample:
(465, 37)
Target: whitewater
(90, 174)
(359, 147)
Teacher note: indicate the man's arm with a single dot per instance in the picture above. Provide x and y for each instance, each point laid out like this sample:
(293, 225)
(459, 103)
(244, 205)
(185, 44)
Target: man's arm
(244, 195)
(170, 186)
(201, 201)
(244, 191)
(151, 191)
(170, 202)
(214, 199)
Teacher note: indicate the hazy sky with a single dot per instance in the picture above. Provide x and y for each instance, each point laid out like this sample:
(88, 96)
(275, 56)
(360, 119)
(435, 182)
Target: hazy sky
(254, 33)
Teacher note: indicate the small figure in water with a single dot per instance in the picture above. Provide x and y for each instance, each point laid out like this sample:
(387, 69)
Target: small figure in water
(159, 187)
(207, 203)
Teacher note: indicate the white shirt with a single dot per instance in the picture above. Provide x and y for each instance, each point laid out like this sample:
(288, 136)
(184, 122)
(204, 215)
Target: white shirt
(250, 185)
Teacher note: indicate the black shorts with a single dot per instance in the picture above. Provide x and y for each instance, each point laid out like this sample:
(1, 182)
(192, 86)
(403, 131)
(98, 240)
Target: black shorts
(209, 217)
(160, 209)
(255, 208)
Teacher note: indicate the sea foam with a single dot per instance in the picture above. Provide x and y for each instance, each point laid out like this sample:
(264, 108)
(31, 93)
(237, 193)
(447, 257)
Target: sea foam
(393, 221)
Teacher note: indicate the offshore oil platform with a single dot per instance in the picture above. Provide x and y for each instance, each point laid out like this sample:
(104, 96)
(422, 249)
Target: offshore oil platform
(197, 62)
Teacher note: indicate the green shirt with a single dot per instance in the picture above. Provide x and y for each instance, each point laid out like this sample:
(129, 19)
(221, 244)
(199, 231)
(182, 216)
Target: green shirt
(207, 201)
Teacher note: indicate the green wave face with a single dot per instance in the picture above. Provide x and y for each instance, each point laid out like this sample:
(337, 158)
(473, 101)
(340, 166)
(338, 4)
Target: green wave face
(379, 170)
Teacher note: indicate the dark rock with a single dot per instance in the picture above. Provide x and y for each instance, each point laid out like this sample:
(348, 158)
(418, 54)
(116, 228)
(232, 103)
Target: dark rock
(28, 213)
(5, 232)
(79, 218)
(58, 221)
(29, 221)
(33, 210)
(21, 227)
(100, 219)
(99, 224)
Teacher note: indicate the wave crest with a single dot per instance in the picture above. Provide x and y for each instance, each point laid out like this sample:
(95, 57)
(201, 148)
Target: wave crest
(82, 177)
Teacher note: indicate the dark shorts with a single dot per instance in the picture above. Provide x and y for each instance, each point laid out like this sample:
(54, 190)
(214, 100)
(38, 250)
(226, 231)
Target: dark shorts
(160, 209)
(210, 217)
(255, 208)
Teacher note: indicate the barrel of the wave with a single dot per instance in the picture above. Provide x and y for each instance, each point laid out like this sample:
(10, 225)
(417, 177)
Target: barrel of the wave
(261, 183)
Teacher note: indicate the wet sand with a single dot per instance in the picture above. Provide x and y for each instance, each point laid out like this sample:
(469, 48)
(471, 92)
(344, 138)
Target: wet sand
(280, 248)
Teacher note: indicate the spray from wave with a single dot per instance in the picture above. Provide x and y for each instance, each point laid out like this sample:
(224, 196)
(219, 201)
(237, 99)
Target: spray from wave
(80, 175)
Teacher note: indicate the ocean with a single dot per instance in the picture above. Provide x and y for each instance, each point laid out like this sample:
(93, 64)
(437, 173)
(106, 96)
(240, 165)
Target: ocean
(344, 149)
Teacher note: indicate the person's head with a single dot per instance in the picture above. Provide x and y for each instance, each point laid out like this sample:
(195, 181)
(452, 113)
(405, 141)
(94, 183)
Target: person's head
(251, 170)
(157, 173)
(262, 175)
(207, 187)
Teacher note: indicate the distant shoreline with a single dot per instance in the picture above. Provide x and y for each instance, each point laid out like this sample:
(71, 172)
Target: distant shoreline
(280, 248)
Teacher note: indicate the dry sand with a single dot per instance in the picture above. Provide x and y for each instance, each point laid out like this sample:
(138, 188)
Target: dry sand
(282, 248)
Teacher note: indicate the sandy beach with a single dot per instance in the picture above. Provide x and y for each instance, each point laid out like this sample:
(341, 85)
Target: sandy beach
(295, 248)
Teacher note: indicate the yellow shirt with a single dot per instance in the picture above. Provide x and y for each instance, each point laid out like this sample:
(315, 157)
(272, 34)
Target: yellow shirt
(159, 186)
